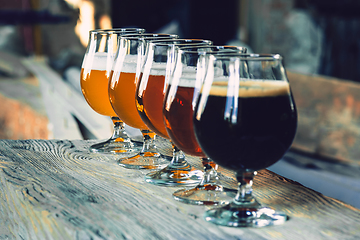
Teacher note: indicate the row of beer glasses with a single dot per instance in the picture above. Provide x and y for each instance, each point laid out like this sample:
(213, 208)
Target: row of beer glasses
(125, 76)
(177, 109)
(168, 79)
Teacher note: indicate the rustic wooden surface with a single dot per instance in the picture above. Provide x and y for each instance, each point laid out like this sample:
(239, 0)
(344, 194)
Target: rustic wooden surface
(56, 189)
(329, 117)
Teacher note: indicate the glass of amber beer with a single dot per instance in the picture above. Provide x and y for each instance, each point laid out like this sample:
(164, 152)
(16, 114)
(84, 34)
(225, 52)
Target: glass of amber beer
(245, 120)
(150, 93)
(94, 80)
(178, 108)
(127, 70)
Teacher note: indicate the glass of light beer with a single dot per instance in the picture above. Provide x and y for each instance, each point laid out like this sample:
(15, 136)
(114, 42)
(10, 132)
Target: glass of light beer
(248, 98)
(94, 81)
(127, 71)
(150, 93)
(178, 108)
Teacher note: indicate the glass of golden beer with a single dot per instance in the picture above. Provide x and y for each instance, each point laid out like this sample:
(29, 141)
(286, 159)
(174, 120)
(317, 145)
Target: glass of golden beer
(245, 120)
(127, 71)
(150, 93)
(94, 80)
(178, 109)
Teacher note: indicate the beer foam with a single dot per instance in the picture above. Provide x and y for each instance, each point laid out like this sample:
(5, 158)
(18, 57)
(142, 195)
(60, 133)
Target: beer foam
(253, 88)
(99, 61)
(185, 82)
(129, 64)
(158, 69)
(186, 77)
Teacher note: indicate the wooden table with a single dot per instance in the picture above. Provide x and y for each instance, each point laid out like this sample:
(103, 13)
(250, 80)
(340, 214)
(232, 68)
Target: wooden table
(56, 189)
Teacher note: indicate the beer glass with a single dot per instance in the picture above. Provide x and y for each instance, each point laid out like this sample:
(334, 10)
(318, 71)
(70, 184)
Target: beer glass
(159, 64)
(94, 80)
(248, 99)
(178, 110)
(125, 76)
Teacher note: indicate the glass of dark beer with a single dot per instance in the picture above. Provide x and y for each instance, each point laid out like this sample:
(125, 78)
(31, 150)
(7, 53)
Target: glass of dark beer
(159, 65)
(94, 80)
(245, 120)
(178, 109)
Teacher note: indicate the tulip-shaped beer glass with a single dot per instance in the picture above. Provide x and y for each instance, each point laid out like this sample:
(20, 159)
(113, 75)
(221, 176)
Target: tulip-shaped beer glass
(245, 120)
(126, 74)
(178, 109)
(94, 80)
(159, 64)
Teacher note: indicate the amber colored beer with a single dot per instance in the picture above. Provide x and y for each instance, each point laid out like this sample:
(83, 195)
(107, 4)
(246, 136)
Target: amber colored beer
(150, 104)
(122, 98)
(178, 118)
(94, 86)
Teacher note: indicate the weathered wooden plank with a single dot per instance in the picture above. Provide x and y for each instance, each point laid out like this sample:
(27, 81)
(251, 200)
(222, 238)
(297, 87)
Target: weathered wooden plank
(22, 112)
(58, 189)
(58, 94)
(329, 117)
(10, 65)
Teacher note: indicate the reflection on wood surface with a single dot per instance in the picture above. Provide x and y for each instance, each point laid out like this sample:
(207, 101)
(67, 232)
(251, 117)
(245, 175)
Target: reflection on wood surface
(54, 189)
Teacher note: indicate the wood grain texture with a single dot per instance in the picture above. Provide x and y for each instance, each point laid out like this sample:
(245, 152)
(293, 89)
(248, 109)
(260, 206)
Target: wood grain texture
(57, 189)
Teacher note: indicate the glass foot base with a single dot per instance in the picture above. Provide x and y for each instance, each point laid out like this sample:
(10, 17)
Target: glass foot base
(208, 194)
(174, 177)
(235, 215)
(113, 146)
(145, 161)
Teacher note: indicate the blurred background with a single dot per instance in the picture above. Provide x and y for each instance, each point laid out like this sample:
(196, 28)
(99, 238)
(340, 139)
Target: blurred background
(42, 44)
(314, 36)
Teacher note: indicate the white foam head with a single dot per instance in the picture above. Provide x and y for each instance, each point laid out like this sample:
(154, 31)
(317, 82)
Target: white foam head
(98, 61)
(129, 64)
(252, 88)
(185, 77)
(158, 69)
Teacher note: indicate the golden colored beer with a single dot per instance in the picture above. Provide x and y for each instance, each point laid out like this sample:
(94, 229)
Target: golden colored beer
(94, 81)
(122, 98)
(94, 87)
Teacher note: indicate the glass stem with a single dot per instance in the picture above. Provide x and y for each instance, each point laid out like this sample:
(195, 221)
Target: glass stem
(149, 142)
(119, 133)
(178, 160)
(245, 182)
(210, 174)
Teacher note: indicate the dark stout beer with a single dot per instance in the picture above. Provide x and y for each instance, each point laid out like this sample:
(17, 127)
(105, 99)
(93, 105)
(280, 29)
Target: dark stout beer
(248, 132)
